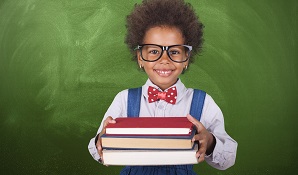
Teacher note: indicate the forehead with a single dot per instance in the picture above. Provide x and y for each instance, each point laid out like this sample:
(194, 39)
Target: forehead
(163, 36)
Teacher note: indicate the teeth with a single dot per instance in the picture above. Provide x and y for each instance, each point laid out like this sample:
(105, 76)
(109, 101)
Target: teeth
(163, 72)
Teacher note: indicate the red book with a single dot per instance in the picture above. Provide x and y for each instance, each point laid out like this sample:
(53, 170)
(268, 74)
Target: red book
(150, 126)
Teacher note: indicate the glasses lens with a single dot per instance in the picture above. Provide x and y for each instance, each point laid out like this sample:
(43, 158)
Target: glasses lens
(179, 53)
(151, 52)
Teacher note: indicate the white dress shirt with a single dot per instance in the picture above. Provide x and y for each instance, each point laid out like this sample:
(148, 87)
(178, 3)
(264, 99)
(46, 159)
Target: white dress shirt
(224, 153)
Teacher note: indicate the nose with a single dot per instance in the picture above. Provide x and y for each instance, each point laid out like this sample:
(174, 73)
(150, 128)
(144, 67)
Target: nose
(164, 57)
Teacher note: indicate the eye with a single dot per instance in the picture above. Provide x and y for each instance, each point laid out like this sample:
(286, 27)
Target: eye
(153, 51)
(174, 52)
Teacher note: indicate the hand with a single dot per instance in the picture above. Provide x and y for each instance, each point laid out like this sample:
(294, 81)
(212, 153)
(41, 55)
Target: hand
(98, 143)
(205, 138)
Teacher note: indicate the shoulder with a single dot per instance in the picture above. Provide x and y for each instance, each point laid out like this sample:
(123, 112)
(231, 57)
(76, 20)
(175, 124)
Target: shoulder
(212, 114)
(125, 91)
(210, 107)
(121, 97)
(210, 103)
(208, 98)
(122, 94)
(200, 95)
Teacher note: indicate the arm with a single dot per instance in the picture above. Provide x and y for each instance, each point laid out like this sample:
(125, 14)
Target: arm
(115, 110)
(216, 146)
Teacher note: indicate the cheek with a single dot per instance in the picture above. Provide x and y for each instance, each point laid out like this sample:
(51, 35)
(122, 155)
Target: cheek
(179, 66)
(149, 65)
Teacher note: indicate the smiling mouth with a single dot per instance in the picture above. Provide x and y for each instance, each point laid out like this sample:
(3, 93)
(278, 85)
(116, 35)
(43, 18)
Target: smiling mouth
(164, 73)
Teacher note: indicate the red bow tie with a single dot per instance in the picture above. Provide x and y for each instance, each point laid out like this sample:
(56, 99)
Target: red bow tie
(169, 95)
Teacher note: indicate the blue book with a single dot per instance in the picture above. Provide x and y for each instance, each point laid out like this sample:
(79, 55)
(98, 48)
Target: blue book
(167, 142)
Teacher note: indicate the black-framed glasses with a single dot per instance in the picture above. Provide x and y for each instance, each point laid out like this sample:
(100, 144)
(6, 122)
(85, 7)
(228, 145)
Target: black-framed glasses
(153, 52)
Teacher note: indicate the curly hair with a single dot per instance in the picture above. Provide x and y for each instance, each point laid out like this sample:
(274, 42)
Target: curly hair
(172, 13)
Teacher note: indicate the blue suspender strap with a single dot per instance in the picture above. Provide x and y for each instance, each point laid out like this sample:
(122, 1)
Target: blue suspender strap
(133, 102)
(197, 103)
(196, 108)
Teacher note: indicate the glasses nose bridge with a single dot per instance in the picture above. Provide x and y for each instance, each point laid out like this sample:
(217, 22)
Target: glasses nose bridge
(166, 49)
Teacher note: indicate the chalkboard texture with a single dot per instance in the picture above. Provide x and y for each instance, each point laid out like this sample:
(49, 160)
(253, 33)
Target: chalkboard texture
(62, 63)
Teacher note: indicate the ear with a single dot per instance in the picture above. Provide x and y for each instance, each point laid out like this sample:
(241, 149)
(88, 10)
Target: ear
(186, 64)
(140, 61)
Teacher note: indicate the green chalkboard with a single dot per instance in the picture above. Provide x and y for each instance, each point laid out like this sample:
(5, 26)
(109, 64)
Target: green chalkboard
(62, 63)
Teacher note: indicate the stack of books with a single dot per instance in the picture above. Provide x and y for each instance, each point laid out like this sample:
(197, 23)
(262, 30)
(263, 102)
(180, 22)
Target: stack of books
(149, 141)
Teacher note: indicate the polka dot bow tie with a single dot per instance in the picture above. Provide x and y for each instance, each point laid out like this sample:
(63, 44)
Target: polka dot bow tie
(169, 95)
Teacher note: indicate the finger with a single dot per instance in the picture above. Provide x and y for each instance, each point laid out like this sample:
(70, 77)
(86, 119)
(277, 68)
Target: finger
(99, 147)
(194, 121)
(191, 118)
(202, 147)
(196, 137)
(202, 150)
(201, 153)
(201, 157)
(107, 121)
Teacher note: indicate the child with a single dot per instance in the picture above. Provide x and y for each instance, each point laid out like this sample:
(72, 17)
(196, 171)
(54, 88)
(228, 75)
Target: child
(162, 34)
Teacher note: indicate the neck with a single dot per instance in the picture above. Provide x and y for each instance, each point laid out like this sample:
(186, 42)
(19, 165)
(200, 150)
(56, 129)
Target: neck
(164, 87)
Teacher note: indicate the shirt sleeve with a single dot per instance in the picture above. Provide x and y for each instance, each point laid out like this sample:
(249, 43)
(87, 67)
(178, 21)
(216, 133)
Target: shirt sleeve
(224, 153)
(115, 110)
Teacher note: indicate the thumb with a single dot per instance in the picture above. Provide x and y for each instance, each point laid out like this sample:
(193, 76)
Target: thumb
(191, 118)
(106, 122)
(194, 121)
(109, 120)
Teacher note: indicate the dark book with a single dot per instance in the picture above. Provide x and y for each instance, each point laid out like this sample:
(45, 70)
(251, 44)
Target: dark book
(148, 141)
